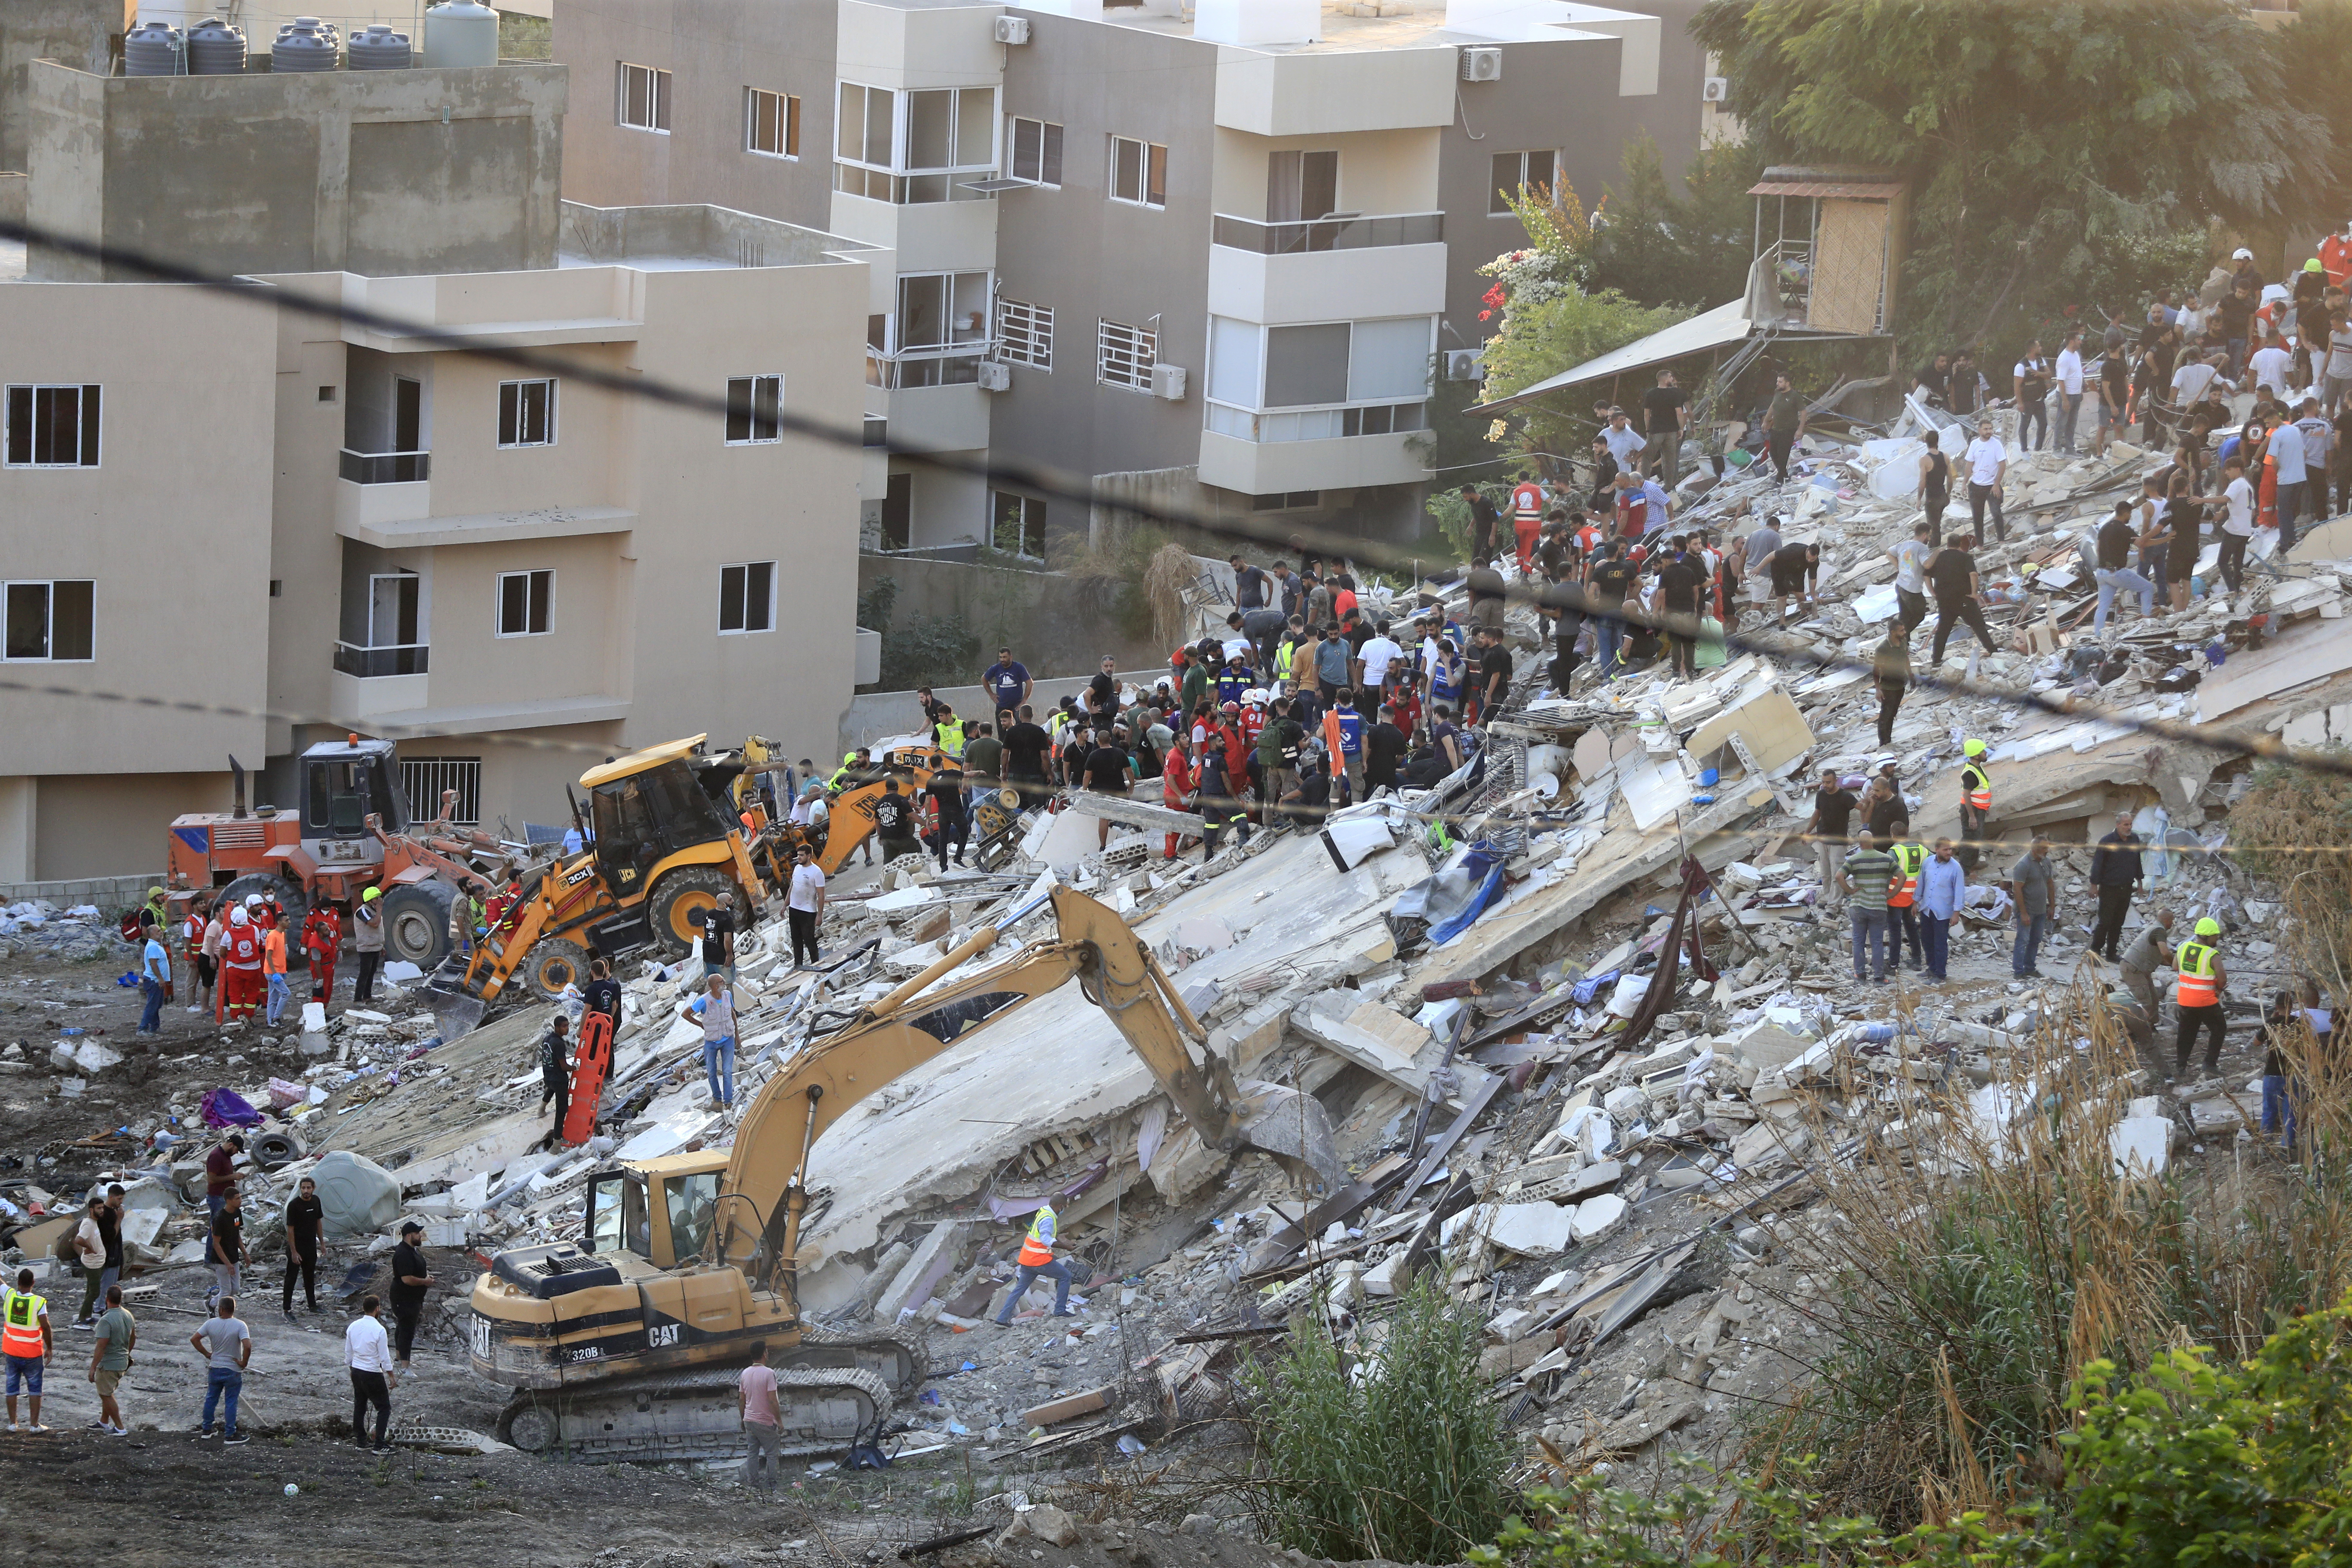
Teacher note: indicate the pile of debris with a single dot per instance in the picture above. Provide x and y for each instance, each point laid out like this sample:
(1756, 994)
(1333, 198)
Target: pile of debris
(36, 928)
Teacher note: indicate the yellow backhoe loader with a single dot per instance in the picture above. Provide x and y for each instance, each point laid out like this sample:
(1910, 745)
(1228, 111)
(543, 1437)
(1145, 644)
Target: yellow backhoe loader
(624, 1344)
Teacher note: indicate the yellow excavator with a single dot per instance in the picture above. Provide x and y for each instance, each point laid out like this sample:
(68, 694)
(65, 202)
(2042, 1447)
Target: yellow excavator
(625, 1345)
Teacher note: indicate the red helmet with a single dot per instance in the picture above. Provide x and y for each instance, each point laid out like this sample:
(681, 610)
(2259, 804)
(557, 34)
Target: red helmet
(1233, 708)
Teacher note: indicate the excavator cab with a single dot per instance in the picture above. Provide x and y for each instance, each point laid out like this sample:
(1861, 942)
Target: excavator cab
(646, 818)
(665, 1210)
(344, 782)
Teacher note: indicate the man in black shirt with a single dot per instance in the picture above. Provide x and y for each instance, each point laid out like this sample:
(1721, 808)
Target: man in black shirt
(1494, 675)
(1679, 581)
(1384, 747)
(1796, 570)
(303, 1211)
(946, 793)
(603, 993)
(1565, 598)
(554, 1072)
(2117, 873)
(1826, 830)
(1249, 585)
(2116, 536)
(1108, 770)
(1025, 747)
(1664, 408)
(1952, 578)
(1484, 520)
(1610, 580)
(410, 1280)
(894, 824)
(719, 939)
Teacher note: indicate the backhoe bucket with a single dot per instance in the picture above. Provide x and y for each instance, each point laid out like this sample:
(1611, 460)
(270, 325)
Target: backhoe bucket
(1293, 1128)
(455, 1014)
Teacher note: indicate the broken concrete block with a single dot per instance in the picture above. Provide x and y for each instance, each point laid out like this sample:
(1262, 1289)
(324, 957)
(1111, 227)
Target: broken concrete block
(912, 1285)
(1380, 1278)
(1051, 1525)
(1532, 1230)
(2141, 1145)
(1599, 1218)
(1508, 1324)
(1769, 1145)
(1502, 1361)
(1066, 1407)
(1627, 1102)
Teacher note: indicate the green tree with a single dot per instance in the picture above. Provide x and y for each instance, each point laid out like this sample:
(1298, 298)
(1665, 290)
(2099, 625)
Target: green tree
(1661, 245)
(1557, 333)
(2033, 133)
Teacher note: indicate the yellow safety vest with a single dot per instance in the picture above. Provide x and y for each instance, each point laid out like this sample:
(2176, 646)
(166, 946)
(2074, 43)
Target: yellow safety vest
(951, 737)
(1977, 787)
(1282, 657)
(1037, 1246)
(848, 761)
(1058, 722)
(20, 1323)
(1909, 858)
(2195, 988)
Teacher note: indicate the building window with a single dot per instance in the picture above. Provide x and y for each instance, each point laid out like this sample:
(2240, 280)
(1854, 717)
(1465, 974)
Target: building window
(1020, 528)
(938, 335)
(772, 123)
(52, 427)
(1321, 382)
(1287, 501)
(50, 622)
(1124, 355)
(755, 410)
(1036, 151)
(914, 146)
(525, 601)
(1025, 333)
(1514, 172)
(1139, 172)
(527, 414)
(641, 99)
(747, 597)
(424, 780)
(1301, 186)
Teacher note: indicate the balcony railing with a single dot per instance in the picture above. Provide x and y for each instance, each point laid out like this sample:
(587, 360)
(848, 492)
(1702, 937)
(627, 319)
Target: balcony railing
(386, 468)
(1341, 231)
(373, 663)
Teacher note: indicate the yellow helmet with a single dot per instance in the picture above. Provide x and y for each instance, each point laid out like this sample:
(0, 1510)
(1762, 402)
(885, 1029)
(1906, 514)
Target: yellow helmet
(1973, 748)
(371, 894)
(2209, 926)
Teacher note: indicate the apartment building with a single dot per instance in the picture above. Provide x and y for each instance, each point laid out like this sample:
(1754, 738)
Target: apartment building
(1210, 255)
(302, 524)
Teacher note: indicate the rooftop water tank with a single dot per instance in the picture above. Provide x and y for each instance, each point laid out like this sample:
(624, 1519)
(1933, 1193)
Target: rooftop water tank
(216, 48)
(155, 48)
(461, 33)
(377, 49)
(306, 44)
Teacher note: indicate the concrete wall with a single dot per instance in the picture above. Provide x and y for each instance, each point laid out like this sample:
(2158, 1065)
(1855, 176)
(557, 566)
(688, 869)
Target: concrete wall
(381, 172)
(1055, 625)
(116, 824)
(83, 34)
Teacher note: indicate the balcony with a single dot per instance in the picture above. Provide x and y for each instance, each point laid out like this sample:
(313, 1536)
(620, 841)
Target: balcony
(377, 663)
(1341, 231)
(1310, 463)
(386, 467)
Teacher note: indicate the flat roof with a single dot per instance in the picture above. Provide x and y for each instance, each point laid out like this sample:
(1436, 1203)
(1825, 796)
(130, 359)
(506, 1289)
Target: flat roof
(1346, 33)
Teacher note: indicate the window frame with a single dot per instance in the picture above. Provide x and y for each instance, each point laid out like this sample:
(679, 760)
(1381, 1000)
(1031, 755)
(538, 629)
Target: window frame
(1151, 171)
(1032, 510)
(554, 390)
(1144, 358)
(788, 123)
(1347, 417)
(752, 385)
(896, 172)
(1048, 132)
(538, 596)
(48, 587)
(90, 424)
(657, 98)
(743, 604)
(1496, 206)
(1034, 333)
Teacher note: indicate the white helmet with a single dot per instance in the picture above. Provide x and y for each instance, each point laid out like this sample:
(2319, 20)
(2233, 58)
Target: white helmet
(2241, 254)
(252, 900)
(1255, 694)
(237, 917)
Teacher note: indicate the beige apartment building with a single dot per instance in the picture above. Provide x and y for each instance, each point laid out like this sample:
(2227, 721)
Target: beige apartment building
(302, 525)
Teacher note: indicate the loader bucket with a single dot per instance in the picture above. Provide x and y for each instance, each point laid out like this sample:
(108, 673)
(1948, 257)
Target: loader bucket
(1293, 1128)
(455, 1013)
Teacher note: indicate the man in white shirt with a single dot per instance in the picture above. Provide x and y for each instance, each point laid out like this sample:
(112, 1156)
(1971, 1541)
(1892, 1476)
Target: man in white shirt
(1377, 654)
(1624, 442)
(2286, 446)
(2269, 366)
(803, 904)
(1911, 575)
(2070, 389)
(367, 1351)
(1988, 462)
(2238, 526)
(2319, 451)
(2191, 380)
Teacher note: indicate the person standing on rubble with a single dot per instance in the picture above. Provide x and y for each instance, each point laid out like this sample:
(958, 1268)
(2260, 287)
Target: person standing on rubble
(1976, 791)
(1891, 668)
(1902, 907)
(410, 1280)
(367, 940)
(715, 1012)
(804, 905)
(240, 968)
(2033, 888)
(1034, 1261)
(304, 1214)
(225, 1247)
(762, 1417)
(1935, 490)
(1943, 888)
(2148, 952)
(1988, 462)
(1952, 573)
(1871, 881)
(1784, 421)
(554, 1082)
(220, 1170)
(2196, 998)
(2115, 872)
(1825, 830)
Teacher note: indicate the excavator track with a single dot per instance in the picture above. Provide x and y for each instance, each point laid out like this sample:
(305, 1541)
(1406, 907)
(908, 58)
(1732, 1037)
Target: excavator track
(692, 1415)
(902, 1361)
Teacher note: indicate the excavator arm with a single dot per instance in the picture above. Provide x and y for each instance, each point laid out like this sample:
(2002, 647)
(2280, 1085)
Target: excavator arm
(764, 1192)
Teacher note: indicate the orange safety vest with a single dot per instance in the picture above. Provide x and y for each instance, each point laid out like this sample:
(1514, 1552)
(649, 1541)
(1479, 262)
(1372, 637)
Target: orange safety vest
(2195, 988)
(20, 1324)
(1037, 1246)
(1977, 787)
(1908, 861)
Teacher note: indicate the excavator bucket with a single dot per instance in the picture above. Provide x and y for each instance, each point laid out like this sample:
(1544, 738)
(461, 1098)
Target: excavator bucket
(1293, 1128)
(455, 1014)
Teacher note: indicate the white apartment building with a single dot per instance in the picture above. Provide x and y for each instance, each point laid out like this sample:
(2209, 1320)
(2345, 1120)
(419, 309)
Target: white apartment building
(324, 525)
(1220, 256)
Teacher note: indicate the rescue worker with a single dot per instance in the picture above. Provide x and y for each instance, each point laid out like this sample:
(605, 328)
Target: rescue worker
(26, 1342)
(154, 906)
(1176, 788)
(1527, 520)
(367, 938)
(240, 969)
(1036, 1261)
(191, 937)
(555, 1071)
(322, 939)
(2196, 998)
(948, 733)
(1976, 792)
(1902, 908)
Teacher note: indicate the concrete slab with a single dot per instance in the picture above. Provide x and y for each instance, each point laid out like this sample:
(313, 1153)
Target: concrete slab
(2141, 1145)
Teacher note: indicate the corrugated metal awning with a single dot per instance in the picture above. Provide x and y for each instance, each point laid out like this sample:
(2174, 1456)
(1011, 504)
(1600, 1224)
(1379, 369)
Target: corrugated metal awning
(1873, 190)
(1713, 328)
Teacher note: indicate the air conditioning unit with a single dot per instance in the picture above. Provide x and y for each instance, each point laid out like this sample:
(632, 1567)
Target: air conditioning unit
(1716, 90)
(1482, 63)
(1168, 381)
(1465, 364)
(1013, 29)
(995, 375)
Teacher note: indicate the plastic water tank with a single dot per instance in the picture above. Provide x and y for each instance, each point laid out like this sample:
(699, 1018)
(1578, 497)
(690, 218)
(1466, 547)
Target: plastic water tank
(377, 49)
(216, 48)
(155, 48)
(461, 33)
(306, 44)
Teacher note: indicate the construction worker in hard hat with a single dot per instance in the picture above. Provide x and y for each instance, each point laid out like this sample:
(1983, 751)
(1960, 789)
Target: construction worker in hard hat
(367, 940)
(1976, 792)
(154, 906)
(1034, 1261)
(2197, 998)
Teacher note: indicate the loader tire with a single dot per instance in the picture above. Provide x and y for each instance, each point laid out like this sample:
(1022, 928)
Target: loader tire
(679, 903)
(416, 923)
(555, 964)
